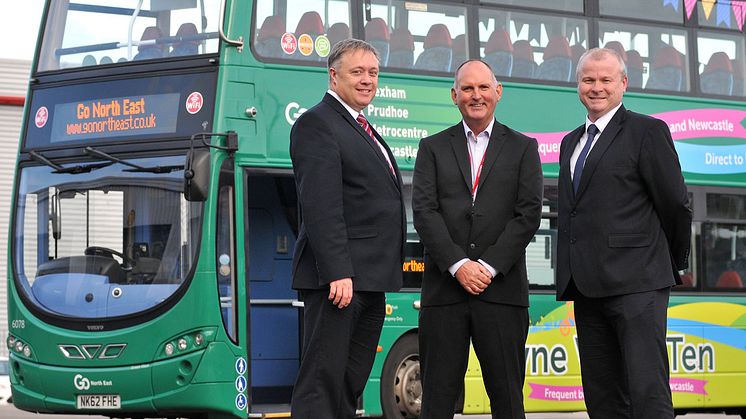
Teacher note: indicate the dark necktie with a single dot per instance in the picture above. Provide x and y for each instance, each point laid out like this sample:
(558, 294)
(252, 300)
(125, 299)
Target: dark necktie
(592, 132)
(366, 127)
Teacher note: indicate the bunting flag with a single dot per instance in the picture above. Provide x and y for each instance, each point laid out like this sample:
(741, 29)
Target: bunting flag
(689, 6)
(739, 9)
(673, 3)
(707, 5)
(723, 14)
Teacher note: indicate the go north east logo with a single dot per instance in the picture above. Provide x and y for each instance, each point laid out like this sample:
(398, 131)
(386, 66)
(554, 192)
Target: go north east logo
(83, 383)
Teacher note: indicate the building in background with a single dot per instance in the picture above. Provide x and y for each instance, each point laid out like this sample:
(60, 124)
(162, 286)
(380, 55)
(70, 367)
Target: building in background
(13, 86)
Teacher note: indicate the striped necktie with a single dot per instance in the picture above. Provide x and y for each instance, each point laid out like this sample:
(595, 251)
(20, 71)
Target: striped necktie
(367, 128)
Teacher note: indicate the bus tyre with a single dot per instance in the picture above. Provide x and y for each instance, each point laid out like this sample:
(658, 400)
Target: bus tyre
(401, 386)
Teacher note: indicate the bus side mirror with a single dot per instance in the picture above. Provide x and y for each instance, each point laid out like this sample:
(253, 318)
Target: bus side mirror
(197, 175)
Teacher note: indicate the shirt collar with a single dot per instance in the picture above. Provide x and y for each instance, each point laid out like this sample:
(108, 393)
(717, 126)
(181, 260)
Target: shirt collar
(603, 121)
(352, 112)
(487, 130)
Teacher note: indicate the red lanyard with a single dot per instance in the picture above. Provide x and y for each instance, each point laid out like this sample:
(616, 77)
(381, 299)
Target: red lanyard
(479, 171)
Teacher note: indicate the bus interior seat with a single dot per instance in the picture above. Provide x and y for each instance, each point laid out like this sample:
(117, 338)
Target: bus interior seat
(437, 54)
(577, 50)
(635, 69)
(268, 40)
(738, 85)
(149, 51)
(88, 60)
(338, 32)
(717, 77)
(309, 24)
(667, 70)
(557, 64)
(401, 48)
(618, 48)
(729, 279)
(106, 60)
(523, 60)
(498, 53)
(187, 44)
(377, 34)
(458, 51)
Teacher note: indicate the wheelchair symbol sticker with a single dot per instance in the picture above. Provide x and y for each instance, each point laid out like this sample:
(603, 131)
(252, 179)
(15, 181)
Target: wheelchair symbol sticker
(241, 402)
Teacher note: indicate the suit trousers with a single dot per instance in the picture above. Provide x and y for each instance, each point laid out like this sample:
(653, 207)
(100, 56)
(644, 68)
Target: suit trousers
(623, 357)
(339, 347)
(498, 333)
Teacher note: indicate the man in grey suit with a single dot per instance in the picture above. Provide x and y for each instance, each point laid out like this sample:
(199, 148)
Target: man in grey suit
(477, 196)
(624, 232)
(350, 245)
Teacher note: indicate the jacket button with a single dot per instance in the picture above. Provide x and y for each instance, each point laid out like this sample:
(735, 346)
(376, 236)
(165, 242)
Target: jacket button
(472, 245)
(572, 240)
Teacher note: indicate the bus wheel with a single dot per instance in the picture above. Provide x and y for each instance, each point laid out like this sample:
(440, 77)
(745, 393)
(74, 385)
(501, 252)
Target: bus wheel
(401, 388)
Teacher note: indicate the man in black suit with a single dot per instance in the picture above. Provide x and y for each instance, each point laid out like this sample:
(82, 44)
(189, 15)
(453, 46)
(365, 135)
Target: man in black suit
(350, 244)
(477, 192)
(624, 233)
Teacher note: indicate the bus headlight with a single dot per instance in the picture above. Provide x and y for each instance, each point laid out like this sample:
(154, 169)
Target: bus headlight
(27, 351)
(182, 344)
(19, 346)
(169, 349)
(199, 339)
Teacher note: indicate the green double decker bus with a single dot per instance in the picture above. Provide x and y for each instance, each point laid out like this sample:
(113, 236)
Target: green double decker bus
(154, 213)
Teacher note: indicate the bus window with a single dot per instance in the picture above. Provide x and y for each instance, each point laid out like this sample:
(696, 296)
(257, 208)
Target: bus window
(724, 243)
(541, 251)
(557, 5)
(656, 57)
(531, 46)
(667, 11)
(422, 36)
(299, 30)
(717, 54)
(96, 32)
(103, 243)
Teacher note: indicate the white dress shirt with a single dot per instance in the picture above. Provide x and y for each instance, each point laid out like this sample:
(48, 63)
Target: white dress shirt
(601, 124)
(477, 146)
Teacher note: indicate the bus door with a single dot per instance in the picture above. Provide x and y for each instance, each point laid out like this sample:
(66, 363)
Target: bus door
(270, 232)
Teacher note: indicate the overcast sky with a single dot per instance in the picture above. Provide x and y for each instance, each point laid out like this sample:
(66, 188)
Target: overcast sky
(19, 28)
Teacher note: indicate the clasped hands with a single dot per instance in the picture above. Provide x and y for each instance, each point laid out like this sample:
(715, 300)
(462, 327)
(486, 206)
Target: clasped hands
(474, 277)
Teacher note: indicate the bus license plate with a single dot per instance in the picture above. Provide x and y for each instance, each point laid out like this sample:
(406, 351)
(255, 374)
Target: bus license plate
(99, 401)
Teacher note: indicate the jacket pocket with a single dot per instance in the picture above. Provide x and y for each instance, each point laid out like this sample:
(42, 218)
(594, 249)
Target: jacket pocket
(361, 232)
(629, 240)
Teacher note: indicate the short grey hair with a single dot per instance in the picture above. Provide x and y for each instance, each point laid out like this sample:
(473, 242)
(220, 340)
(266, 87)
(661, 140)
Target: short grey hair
(349, 45)
(598, 54)
(472, 60)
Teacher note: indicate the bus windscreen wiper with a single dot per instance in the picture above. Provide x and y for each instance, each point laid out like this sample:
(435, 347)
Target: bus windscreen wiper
(74, 170)
(135, 167)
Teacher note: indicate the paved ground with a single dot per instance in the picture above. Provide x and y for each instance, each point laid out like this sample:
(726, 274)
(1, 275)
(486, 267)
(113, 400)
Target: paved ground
(10, 412)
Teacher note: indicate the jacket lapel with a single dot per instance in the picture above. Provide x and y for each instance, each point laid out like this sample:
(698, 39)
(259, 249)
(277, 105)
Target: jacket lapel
(599, 149)
(345, 114)
(572, 142)
(461, 151)
(497, 139)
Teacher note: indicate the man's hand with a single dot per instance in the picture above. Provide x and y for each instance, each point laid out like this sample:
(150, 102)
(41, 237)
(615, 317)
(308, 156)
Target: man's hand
(473, 277)
(340, 292)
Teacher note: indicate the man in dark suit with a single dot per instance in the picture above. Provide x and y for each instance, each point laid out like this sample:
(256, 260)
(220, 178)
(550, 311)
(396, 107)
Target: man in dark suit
(350, 244)
(624, 233)
(477, 192)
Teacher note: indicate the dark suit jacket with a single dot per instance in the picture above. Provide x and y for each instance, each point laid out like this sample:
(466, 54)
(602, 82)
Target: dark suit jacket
(628, 228)
(351, 206)
(496, 228)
